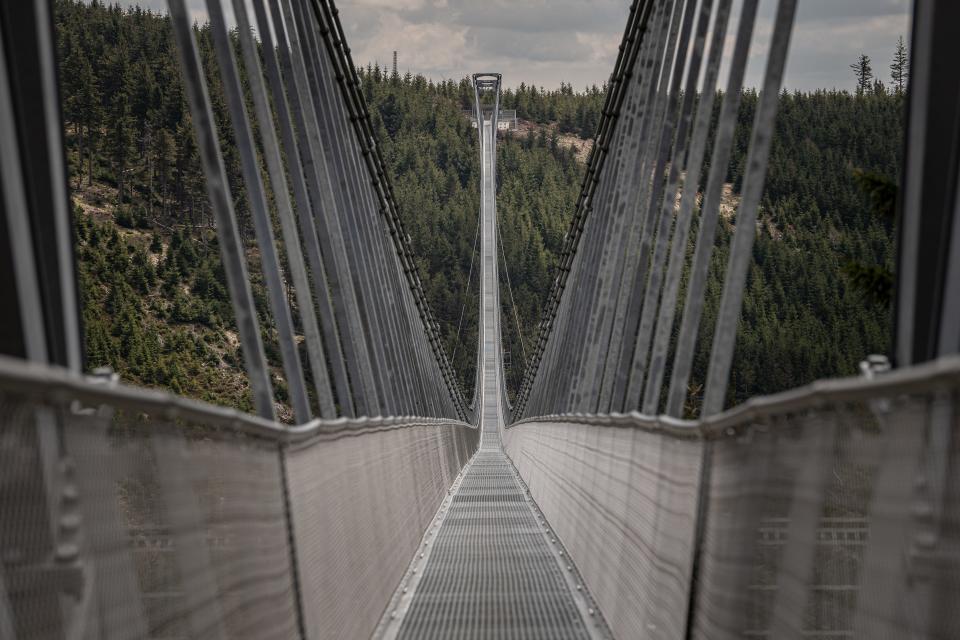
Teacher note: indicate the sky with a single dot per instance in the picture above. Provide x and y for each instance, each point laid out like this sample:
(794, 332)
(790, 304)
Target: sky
(546, 42)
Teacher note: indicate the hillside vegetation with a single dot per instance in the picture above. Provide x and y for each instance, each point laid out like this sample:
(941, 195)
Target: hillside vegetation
(153, 292)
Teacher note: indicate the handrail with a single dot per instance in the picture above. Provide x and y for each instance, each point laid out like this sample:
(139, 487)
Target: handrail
(633, 420)
(919, 378)
(62, 385)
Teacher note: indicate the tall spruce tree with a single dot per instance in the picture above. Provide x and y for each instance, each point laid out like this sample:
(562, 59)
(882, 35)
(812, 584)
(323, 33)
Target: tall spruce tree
(900, 67)
(864, 74)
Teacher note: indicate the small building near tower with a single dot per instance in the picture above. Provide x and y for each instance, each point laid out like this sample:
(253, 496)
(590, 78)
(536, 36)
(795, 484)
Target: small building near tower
(507, 121)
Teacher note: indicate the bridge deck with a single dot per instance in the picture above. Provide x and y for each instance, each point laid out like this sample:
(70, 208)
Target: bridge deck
(493, 571)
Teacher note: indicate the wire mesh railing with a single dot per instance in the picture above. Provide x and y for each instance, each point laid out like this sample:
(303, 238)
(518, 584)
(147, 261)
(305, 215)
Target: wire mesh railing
(828, 511)
(177, 519)
(825, 512)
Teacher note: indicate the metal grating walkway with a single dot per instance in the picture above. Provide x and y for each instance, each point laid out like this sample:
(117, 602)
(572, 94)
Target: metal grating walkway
(492, 571)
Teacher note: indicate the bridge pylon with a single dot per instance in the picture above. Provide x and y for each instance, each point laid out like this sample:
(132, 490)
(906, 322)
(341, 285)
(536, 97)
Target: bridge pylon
(486, 100)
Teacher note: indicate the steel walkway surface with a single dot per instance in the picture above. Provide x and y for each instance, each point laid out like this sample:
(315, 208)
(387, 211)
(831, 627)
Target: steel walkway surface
(493, 570)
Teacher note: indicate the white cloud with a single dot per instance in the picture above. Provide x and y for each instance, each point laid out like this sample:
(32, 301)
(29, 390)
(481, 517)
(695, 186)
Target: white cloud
(428, 48)
(603, 48)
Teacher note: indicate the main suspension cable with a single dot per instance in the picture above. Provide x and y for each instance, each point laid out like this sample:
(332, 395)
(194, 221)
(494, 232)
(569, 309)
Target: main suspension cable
(516, 316)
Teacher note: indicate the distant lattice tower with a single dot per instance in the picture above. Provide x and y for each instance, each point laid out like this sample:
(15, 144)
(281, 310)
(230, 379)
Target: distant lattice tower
(394, 63)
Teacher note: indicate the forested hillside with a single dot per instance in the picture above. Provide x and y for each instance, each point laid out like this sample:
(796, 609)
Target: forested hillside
(153, 292)
(802, 318)
(154, 296)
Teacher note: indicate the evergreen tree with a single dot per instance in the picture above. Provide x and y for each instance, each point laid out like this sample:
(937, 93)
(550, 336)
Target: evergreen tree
(900, 67)
(119, 124)
(864, 74)
(164, 154)
(81, 105)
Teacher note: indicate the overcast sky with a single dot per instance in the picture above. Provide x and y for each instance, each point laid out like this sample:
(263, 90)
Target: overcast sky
(547, 42)
(552, 41)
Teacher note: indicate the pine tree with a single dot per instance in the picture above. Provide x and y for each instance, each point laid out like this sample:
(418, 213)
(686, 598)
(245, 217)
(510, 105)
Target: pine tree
(164, 161)
(900, 67)
(120, 125)
(864, 74)
(82, 105)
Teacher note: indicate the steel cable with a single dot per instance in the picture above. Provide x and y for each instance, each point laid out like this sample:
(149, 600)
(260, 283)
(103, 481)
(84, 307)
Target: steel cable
(466, 294)
(506, 272)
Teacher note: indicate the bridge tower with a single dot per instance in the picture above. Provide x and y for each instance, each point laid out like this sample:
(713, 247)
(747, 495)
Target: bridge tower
(486, 102)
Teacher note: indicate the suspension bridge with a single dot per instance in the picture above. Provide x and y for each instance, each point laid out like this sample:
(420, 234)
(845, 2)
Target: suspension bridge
(596, 505)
